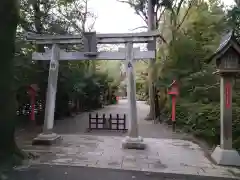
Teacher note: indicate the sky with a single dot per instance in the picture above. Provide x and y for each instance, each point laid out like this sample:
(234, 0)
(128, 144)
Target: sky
(117, 17)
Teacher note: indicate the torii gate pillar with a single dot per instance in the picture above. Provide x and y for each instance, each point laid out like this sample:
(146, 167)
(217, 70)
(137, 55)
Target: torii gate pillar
(47, 137)
(133, 141)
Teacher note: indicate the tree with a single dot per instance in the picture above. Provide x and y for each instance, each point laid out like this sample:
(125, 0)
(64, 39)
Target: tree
(164, 10)
(234, 18)
(9, 11)
(53, 17)
(198, 104)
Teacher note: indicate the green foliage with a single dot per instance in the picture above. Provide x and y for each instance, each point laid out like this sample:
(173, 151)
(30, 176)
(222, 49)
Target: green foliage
(234, 19)
(203, 120)
(198, 105)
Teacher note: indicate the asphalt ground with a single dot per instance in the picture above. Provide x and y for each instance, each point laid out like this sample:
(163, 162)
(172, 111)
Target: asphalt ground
(56, 172)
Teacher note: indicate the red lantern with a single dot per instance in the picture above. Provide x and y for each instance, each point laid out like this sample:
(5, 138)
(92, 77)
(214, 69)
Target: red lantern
(173, 92)
(173, 89)
(32, 90)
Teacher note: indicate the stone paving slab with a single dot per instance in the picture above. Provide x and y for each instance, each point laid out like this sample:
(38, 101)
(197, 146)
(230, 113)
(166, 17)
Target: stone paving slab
(161, 155)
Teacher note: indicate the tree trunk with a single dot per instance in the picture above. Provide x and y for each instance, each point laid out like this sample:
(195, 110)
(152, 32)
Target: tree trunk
(43, 65)
(8, 21)
(151, 74)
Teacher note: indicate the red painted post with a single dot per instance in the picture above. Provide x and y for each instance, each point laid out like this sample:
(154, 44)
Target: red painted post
(32, 90)
(228, 95)
(173, 108)
(32, 114)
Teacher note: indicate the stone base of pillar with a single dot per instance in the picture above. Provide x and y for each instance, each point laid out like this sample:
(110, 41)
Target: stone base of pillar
(226, 157)
(133, 143)
(148, 118)
(46, 139)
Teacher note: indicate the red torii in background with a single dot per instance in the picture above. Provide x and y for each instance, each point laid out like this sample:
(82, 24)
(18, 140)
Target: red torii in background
(32, 91)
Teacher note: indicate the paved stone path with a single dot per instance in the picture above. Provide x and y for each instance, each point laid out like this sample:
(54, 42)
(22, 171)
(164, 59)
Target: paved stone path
(166, 153)
(79, 124)
(161, 155)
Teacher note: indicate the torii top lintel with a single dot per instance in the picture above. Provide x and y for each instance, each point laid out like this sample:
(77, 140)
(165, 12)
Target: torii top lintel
(115, 38)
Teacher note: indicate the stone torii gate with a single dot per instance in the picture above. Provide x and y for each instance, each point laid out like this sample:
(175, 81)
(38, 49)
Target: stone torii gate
(90, 41)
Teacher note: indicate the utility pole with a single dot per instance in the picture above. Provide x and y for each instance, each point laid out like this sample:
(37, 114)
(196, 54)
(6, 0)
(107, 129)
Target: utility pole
(151, 73)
